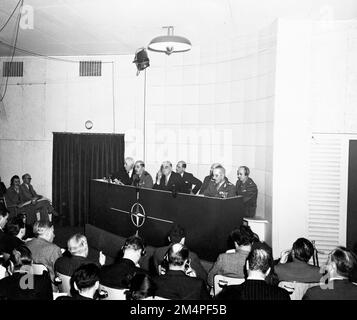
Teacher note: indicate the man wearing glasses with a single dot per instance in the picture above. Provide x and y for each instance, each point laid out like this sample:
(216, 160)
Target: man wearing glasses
(142, 178)
(220, 187)
(168, 180)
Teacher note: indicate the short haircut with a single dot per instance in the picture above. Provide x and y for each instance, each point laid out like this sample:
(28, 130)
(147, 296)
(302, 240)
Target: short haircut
(141, 286)
(86, 276)
(167, 163)
(346, 261)
(246, 170)
(77, 244)
(244, 236)
(177, 254)
(135, 243)
(21, 256)
(177, 232)
(183, 163)
(13, 179)
(220, 168)
(14, 226)
(260, 257)
(24, 175)
(303, 249)
(141, 163)
(40, 227)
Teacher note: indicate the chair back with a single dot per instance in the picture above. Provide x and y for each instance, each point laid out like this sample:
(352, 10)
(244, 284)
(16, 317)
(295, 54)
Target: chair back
(114, 294)
(296, 289)
(222, 281)
(38, 268)
(65, 285)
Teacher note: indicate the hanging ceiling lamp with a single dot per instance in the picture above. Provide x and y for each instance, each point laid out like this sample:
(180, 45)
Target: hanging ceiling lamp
(169, 43)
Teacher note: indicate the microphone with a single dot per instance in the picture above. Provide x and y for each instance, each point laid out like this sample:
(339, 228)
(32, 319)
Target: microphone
(174, 191)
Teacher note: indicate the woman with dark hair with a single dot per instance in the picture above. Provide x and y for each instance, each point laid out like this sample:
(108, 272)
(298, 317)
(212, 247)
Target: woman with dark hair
(22, 284)
(142, 287)
(232, 263)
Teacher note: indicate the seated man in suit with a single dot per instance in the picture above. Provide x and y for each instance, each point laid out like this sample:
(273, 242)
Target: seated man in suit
(175, 283)
(85, 281)
(36, 202)
(259, 264)
(246, 188)
(220, 187)
(339, 266)
(76, 256)
(125, 177)
(209, 178)
(119, 274)
(232, 264)
(44, 251)
(298, 269)
(168, 180)
(12, 195)
(142, 178)
(178, 235)
(188, 178)
(15, 231)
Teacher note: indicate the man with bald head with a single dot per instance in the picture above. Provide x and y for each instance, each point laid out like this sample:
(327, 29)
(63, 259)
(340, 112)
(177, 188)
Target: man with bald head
(209, 178)
(125, 177)
(220, 187)
(168, 180)
(188, 178)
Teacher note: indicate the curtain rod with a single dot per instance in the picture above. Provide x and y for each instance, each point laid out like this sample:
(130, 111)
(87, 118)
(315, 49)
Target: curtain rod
(87, 133)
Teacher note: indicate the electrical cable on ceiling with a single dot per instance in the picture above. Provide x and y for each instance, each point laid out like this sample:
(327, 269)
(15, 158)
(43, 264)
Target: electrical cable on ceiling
(11, 15)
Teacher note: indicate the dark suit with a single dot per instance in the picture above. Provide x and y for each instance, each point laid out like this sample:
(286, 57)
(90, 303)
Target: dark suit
(188, 181)
(119, 275)
(339, 290)
(175, 183)
(177, 285)
(227, 188)
(143, 181)
(66, 265)
(9, 242)
(27, 192)
(123, 176)
(74, 296)
(12, 197)
(2, 189)
(196, 265)
(298, 271)
(205, 183)
(253, 290)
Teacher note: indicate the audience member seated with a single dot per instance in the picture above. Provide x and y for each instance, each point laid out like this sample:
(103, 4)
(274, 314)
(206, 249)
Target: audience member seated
(4, 215)
(119, 274)
(43, 250)
(142, 287)
(22, 284)
(2, 188)
(259, 263)
(15, 230)
(189, 179)
(34, 201)
(85, 280)
(175, 283)
(232, 264)
(246, 188)
(298, 269)
(168, 180)
(220, 187)
(339, 266)
(142, 178)
(12, 196)
(178, 235)
(76, 256)
(209, 178)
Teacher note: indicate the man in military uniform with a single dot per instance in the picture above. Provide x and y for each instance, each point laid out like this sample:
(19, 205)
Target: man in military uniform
(142, 178)
(208, 178)
(188, 178)
(220, 187)
(246, 188)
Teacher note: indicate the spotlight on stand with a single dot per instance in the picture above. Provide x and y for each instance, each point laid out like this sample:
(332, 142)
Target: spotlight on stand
(141, 60)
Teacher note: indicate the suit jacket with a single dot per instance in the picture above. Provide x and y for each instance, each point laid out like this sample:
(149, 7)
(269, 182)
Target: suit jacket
(175, 183)
(177, 285)
(44, 252)
(229, 265)
(226, 187)
(144, 181)
(12, 197)
(2, 189)
(339, 290)
(253, 290)
(27, 193)
(124, 177)
(75, 296)
(10, 288)
(66, 265)
(9, 242)
(189, 179)
(119, 274)
(298, 271)
(196, 265)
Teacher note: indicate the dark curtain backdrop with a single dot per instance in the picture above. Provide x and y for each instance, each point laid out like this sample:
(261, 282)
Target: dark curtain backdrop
(78, 158)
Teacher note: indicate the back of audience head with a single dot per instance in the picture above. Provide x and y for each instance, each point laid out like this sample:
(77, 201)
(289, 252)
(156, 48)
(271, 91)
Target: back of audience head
(85, 279)
(243, 237)
(77, 245)
(133, 248)
(4, 215)
(44, 229)
(16, 227)
(177, 256)
(302, 250)
(341, 262)
(259, 260)
(141, 287)
(21, 256)
(177, 234)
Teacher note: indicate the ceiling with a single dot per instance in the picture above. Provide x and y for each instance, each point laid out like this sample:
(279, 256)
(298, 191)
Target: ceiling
(89, 27)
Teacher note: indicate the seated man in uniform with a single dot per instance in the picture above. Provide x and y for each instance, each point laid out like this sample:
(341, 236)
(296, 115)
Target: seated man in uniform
(246, 188)
(168, 180)
(188, 178)
(34, 201)
(142, 178)
(220, 187)
(208, 178)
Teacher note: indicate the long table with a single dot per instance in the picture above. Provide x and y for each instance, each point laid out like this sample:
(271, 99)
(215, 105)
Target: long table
(125, 210)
